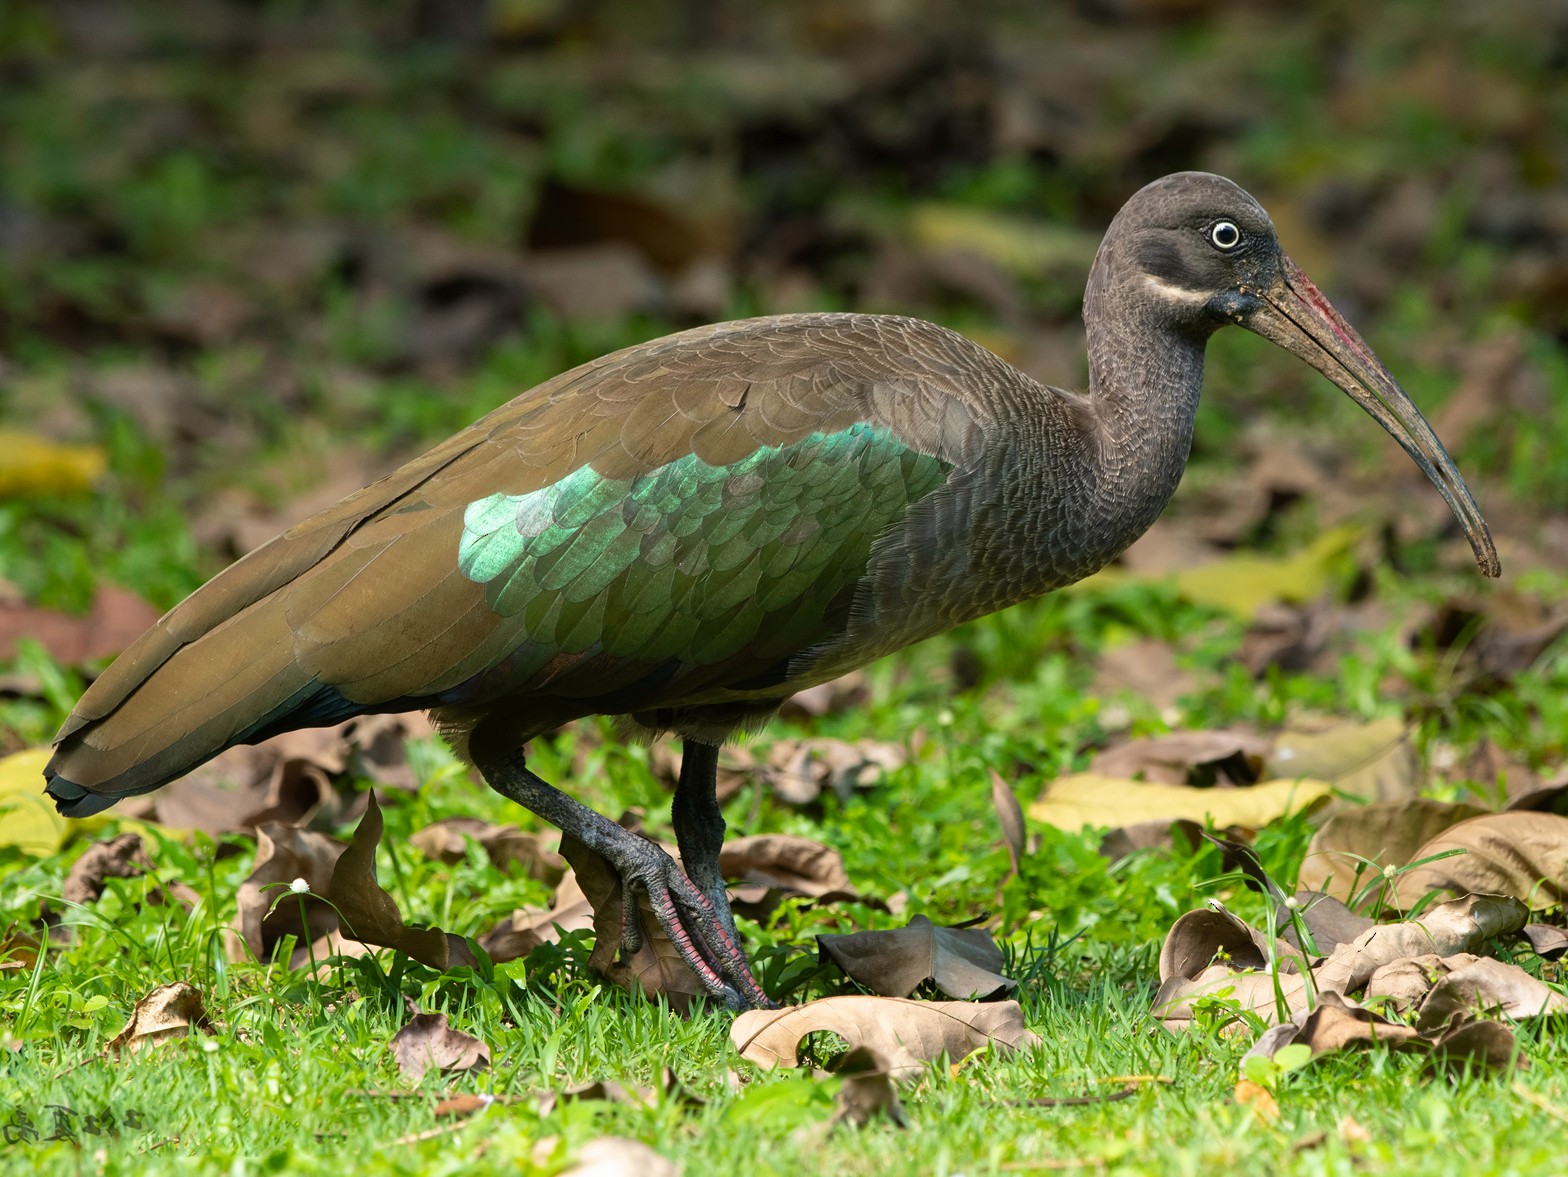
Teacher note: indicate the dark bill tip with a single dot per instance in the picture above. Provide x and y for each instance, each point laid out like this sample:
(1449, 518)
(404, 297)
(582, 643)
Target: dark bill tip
(1295, 314)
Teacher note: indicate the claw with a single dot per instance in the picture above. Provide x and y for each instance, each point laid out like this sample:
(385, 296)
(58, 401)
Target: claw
(695, 930)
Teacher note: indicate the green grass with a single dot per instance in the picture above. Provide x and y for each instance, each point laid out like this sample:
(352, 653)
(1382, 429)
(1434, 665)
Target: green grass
(128, 178)
(298, 1076)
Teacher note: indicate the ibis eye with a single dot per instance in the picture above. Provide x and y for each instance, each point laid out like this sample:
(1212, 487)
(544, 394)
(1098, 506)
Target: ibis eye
(1224, 235)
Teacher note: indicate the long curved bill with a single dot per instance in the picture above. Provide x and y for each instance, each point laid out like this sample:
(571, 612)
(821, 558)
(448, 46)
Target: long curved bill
(1295, 314)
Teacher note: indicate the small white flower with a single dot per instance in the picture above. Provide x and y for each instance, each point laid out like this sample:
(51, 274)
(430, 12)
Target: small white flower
(300, 887)
(944, 718)
(209, 1046)
(1292, 902)
(1389, 871)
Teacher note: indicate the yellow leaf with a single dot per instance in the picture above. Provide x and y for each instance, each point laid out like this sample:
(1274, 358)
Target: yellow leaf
(1246, 582)
(1262, 1103)
(1088, 799)
(1019, 244)
(27, 817)
(36, 465)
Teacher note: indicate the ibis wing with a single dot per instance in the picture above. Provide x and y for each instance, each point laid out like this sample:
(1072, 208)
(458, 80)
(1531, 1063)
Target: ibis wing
(676, 499)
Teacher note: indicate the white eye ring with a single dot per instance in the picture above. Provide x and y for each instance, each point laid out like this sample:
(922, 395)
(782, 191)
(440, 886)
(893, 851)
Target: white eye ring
(1224, 235)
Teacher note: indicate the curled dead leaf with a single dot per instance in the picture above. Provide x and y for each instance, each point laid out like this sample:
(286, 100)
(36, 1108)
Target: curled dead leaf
(370, 914)
(169, 1011)
(615, 1156)
(1374, 760)
(1547, 941)
(283, 854)
(963, 962)
(1010, 816)
(868, 1092)
(1338, 1024)
(906, 1033)
(1188, 758)
(1516, 853)
(1484, 986)
(507, 847)
(1461, 925)
(525, 929)
(117, 858)
(1389, 833)
(427, 1041)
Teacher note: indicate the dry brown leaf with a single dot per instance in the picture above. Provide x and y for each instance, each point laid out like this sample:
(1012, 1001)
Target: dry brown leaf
(615, 1156)
(1329, 921)
(1388, 832)
(1484, 1044)
(610, 1091)
(829, 698)
(427, 1041)
(1188, 758)
(1373, 760)
(1514, 853)
(904, 1032)
(798, 770)
(1198, 937)
(1157, 834)
(1147, 669)
(1337, 1024)
(785, 862)
(1404, 983)
(370, 914)
(1010, 816)
(169, 1011)
(868, 1092)
(117, 618)
(18, 949)
(507, 847)
(296, 779)
(1259, 1100)
(1547, 941)
(118, 858)
(1485, 985)
(656, 967)
(1260, 993)
(283, 854)
(963, 962)
(1462, 925)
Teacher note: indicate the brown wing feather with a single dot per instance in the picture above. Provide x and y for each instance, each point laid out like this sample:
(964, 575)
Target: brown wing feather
(365, 597)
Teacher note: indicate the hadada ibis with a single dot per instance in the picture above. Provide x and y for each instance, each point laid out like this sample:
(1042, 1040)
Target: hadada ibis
(684, 533)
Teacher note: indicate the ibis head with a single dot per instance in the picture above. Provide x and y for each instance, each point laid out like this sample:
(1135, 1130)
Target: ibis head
(1206, 255)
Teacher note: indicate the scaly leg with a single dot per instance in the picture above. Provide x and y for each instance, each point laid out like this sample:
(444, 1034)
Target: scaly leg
(699, 826)
(705, 940)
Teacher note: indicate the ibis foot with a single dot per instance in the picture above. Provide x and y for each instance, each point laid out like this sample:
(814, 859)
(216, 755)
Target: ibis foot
(702, 931)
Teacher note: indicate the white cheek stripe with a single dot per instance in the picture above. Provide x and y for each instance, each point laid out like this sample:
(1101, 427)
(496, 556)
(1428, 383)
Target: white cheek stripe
(1173, 292)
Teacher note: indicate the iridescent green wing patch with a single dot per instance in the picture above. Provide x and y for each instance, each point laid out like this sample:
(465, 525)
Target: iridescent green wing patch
(693, 560)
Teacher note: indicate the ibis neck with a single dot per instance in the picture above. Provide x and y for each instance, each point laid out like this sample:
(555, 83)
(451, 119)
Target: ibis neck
(1145, 374)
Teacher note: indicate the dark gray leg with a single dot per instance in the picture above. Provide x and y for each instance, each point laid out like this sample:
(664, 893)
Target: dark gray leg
(699, 826)
(704, 940)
